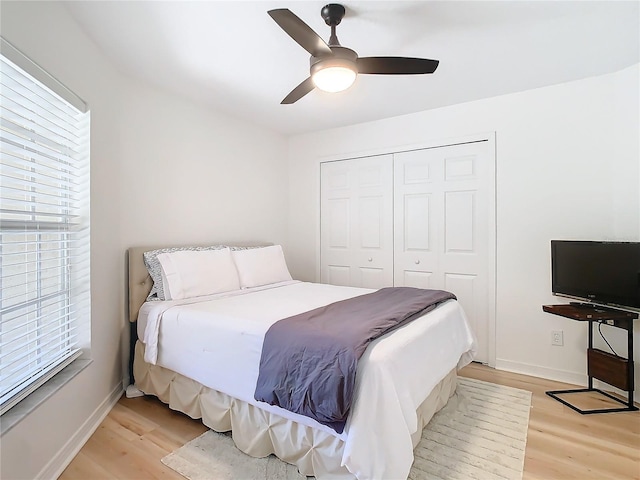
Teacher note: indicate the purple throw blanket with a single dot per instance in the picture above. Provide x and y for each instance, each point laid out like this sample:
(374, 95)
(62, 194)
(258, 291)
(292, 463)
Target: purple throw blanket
(308, 363)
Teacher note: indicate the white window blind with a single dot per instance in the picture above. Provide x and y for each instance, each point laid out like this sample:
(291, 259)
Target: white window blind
(44, 228)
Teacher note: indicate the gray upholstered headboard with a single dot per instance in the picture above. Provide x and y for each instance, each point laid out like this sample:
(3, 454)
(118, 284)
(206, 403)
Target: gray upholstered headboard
(140, 282)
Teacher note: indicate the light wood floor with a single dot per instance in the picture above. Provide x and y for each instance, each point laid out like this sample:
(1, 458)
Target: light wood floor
(561, 444)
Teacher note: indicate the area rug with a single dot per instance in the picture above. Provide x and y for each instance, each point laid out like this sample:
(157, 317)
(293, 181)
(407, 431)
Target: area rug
(480, 434)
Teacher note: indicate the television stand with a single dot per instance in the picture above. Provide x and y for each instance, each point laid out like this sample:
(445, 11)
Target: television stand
(611, 369)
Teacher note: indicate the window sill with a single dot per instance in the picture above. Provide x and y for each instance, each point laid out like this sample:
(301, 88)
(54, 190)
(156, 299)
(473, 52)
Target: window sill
(34, 400)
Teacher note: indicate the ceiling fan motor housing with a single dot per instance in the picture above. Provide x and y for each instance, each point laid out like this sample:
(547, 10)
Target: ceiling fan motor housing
(342, 57)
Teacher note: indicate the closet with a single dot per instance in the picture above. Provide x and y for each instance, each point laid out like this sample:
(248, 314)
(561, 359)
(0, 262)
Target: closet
(422, 218)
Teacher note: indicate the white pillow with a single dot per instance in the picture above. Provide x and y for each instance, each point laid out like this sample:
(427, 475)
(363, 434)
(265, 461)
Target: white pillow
(155, 270)
(261, 266)
(187, 274)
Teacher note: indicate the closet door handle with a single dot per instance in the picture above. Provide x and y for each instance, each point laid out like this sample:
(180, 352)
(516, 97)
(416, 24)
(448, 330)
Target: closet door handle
(417, 262)
(370, 259)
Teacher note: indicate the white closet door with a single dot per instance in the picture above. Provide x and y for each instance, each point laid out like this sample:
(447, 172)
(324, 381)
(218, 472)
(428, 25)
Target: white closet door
(443, 217)
(356, 227)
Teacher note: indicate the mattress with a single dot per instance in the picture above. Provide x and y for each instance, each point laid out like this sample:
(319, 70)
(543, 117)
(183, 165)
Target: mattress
(217, 343)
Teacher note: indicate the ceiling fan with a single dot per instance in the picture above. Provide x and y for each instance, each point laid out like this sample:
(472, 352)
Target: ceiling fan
(333, 67)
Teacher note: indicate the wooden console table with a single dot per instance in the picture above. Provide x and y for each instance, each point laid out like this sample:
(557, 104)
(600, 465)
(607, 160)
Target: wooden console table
(611, 369)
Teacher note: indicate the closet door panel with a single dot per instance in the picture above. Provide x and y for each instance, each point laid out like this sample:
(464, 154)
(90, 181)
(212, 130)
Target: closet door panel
(447, 238)
(464, 286)
(356, 222)
(417, 279)
(470, 292)
(336, 207)
(338, 222)
(338, 275)
(372, 278)
(469, 185)
(413, 265)
(417, 219)
(336, 229)
(416, 232)
(373, 229)
(459, 221)
(371, 222)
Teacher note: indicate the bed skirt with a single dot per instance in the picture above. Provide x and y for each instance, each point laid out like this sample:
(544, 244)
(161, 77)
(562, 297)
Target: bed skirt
(259, 433)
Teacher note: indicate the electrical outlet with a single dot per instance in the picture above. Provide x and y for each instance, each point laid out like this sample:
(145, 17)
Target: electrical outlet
(557, 338)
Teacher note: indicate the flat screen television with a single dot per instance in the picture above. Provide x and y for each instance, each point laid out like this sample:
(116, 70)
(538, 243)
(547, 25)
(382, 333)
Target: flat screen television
(605, 273)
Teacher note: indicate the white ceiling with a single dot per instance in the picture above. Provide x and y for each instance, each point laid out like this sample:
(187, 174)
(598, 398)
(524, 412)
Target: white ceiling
(232, 56)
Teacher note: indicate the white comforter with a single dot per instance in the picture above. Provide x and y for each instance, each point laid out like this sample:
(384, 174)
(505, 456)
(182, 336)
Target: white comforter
(217, 341)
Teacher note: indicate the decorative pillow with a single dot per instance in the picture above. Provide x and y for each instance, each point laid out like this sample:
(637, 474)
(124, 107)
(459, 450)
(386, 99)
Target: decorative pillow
(155, 270)
(188, 274)
(261, 266)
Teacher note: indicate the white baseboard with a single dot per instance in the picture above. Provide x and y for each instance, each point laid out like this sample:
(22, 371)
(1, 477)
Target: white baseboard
(57, 464)
(581, 380)
(542, 372)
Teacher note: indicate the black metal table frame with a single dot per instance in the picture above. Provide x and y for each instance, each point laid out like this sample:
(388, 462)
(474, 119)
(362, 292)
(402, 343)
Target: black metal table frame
(629, 405)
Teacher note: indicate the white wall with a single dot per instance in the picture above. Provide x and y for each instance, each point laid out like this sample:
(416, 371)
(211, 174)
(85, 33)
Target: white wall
(163, 170)
(567, 167)
(195, 176)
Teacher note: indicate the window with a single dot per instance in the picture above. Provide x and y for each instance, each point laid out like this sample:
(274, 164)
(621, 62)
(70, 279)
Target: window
(44, 227)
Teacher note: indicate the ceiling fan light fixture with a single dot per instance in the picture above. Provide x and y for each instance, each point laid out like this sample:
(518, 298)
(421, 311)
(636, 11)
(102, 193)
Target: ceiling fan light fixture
(337, 72)
(334, 78)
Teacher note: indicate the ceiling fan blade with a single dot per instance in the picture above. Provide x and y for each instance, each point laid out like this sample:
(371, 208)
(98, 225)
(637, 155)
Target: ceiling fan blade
(298, 92)
(300, 32)
(396, 65)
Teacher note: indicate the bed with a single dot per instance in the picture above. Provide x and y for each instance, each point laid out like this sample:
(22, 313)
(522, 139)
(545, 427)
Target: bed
(201, 356)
